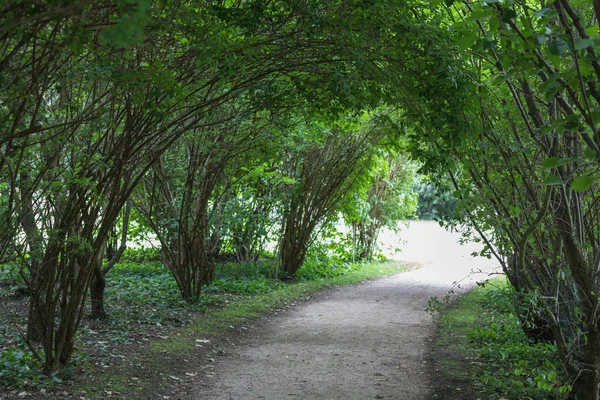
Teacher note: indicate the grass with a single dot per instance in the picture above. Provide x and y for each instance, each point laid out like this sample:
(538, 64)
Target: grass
(481, 340)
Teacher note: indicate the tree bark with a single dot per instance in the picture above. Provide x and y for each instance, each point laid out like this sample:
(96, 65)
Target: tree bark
(98, 284)
(97, 288)
(587, 385)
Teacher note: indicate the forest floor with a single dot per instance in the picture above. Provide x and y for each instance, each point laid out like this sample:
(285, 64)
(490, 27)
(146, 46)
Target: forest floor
(373, 340)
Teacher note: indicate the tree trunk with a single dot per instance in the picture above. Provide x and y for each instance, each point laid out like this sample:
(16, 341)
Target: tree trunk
(292, 252)
(97, 294)
(98, 284)
(35, 243)
(586, 386)
(34, 323)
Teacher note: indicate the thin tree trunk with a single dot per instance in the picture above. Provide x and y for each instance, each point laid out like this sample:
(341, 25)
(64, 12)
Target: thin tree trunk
(97, 288)
(98, 284)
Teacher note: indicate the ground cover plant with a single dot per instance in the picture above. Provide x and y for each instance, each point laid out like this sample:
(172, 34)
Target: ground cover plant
(146, 315)
(481, 342)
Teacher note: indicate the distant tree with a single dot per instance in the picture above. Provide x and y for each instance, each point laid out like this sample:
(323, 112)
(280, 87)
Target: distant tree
(323, 174)
(384, 199)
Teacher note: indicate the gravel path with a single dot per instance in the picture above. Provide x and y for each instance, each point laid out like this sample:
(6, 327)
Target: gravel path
(367, 341)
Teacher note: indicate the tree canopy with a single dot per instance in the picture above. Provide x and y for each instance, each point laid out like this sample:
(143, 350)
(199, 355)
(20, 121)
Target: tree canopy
(222, 126)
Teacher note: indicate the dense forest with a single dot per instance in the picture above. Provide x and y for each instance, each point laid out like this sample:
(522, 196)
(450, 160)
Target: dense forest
(246, 131)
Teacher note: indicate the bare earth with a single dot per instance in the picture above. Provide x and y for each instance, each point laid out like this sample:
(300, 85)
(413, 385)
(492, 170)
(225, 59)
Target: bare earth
(368, 341)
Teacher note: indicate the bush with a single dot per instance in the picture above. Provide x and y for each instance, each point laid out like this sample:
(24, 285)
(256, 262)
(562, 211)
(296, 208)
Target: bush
(142, 283)
(319, 265)
(244, 285)
(244, 269)
(141, 255)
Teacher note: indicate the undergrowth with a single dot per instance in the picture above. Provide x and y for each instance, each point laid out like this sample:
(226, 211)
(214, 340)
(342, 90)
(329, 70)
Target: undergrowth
(143, 302)
(505, 363)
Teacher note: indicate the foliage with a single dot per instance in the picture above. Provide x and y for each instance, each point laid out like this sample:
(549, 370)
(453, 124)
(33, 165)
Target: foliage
(504, 363)
(324, 172)
(321, 263)
(244, 285)
(140, 255)
(142, 283)
(250, 214)
(513, 365)
(11, 280)
(433, 201)
(384, 196)
(20, 369)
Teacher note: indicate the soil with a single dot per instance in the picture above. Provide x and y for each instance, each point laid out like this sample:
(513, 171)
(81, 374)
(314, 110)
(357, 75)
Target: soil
(369, 341)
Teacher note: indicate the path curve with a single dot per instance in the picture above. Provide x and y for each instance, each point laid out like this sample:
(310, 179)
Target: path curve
(367, 341)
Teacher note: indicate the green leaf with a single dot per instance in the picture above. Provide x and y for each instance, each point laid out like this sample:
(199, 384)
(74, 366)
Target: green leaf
(480, 13)
(508, 14)
(583, 44)
(494, 24)
(553, 162)
(557, 47)
(507, 61)
(582, 183)
(553, 180)
(589, 153)
(467, 41)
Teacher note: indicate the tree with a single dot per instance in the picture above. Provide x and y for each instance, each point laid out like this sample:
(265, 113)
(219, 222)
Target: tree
(384, 198)
(323, 174)
(182, 197)
(252, 209)
(528, 155)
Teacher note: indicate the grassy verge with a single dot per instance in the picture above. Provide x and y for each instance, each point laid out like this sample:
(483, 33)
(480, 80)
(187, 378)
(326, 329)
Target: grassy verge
(481, 340)
(136, 375)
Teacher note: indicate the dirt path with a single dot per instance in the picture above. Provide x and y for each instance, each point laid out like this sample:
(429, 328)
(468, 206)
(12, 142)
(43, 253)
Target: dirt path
(363, 342)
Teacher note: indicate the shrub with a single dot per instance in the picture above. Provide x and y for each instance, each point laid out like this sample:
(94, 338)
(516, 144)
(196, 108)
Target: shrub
(244, 285)
(11, 280)
(319, 265)
(141, 255)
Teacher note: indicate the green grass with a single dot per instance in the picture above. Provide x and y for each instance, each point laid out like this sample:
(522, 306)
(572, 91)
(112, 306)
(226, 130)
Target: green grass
(503, 363)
